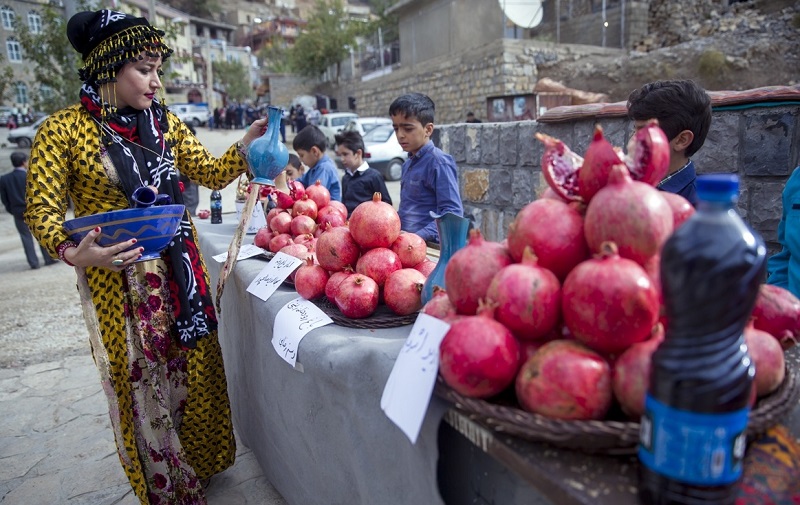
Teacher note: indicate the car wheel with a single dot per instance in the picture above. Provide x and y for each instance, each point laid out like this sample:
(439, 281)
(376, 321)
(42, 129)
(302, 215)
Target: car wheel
(195, 122)
(24, 142)
(394, 170)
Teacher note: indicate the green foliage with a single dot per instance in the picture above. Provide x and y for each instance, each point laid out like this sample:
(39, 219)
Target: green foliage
(274, 55)
(52, 60)
(325, 41)
(6, 80)
(234, 78)
(199, 8)
(712, 65)
(796, 20)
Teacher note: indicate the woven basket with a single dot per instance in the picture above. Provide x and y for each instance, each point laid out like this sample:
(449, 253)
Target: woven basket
(383, 317)
(602, 437)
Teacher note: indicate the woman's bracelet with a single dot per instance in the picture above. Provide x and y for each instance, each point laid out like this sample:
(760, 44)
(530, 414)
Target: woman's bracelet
(62, 247)
(242, 148)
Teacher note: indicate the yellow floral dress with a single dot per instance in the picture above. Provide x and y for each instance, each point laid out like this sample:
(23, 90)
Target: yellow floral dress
(180, 395)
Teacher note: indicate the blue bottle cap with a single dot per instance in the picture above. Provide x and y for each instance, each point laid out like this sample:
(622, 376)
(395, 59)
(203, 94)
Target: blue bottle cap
(718, 187)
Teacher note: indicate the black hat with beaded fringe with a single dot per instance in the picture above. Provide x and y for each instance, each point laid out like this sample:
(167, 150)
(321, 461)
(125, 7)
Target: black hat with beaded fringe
(108, 39)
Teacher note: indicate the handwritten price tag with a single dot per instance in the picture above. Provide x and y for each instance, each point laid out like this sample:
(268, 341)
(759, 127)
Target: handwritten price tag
(292, 323)
(246, 251)
(276, 271)
(408, 390)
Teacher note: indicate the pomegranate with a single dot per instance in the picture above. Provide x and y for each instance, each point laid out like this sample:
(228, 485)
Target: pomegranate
(336, 249)
(279, 241)
(554, 231)
(332, 286)
(203, 214)
(439, 306)
(560, 167)
(281, 223)
(648, 154)
(330, 216)
(336, 204)
(272, 213)
(357, 296)
(631, 374)
(470, 271)
(303, 225)
(600, 156)
(425, 266)
(306, 239)
(402, 290)
(478, 356)
(296, 250)
(378, 263)
(296, 189)
(410, 248)
(319, 193)
(549, 194)
(632, 214)
(305, 207)
(767, 354)
(681, 208)
(609, 302)
(565, 380)
(262, 238)
(777, 311)
(374, 223)
(283, 200)
(528, 298)
(310, 280)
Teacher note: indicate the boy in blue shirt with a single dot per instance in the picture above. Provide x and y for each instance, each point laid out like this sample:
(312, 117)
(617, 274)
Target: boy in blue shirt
(310, 145)
(429, 180)
(359, 182)
(784, 267)
(683, 110)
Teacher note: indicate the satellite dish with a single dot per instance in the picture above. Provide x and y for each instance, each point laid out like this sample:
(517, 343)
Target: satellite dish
(524, 13)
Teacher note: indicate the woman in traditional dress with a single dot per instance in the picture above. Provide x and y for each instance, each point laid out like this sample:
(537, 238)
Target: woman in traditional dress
(152, 325)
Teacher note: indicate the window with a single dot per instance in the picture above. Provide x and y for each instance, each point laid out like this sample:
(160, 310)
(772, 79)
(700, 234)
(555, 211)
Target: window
(35, 22)
(46, 91)
(21, 92)
(8, 17)
(13, 49)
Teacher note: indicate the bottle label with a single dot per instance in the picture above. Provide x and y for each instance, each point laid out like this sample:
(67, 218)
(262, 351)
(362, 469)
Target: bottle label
(693, 448)
(216, 204)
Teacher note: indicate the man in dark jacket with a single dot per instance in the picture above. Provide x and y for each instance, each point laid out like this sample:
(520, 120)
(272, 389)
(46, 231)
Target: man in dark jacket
(12, 193)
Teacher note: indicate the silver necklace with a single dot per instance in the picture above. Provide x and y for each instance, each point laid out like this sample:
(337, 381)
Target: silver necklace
(673, 174)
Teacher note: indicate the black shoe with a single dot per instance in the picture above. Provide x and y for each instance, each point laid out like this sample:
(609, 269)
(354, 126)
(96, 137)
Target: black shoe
(51, 262)
(34, 267)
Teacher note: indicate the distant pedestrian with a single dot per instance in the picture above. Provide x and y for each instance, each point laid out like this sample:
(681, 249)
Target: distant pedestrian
(300, 118)
(12, 193)
(314, 116)
(472, 119)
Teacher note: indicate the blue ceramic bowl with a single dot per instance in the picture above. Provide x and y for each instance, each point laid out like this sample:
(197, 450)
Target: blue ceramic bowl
(152, 227)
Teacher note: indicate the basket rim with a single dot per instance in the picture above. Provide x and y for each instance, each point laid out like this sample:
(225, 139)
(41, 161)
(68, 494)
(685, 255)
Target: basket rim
(379, 319)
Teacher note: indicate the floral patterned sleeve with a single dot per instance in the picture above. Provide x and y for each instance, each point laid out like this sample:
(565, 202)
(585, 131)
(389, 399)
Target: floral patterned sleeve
(195, 161)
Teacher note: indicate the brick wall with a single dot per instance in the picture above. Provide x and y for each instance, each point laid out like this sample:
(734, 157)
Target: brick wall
(500, 171)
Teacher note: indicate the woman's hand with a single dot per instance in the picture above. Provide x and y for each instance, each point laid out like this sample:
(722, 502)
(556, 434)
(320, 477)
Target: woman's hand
(115, 257)
(256, 129)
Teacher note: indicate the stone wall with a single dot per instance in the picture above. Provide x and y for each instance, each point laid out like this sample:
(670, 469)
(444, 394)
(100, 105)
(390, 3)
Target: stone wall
(588, 28)
(500, 171)
(283, 88)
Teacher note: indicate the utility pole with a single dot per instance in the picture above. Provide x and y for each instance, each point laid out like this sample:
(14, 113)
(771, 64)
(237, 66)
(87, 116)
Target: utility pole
(151, 12)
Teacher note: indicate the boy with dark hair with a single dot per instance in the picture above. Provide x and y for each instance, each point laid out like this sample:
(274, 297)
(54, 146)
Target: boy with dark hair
(429, 181)
(310, 145)
(359, 182)
(683, 110)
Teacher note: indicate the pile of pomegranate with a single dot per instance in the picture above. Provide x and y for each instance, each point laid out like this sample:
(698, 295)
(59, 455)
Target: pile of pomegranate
(357, 263)
(567, 311)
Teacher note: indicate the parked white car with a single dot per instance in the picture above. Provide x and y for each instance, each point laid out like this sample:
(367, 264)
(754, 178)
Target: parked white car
(23, 135)
(364, 124)
(332, 123)
(384, 153)
(191, 113)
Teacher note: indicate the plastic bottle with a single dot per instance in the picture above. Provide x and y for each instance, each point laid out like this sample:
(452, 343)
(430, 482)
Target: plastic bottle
(216, 207)
(692, 439)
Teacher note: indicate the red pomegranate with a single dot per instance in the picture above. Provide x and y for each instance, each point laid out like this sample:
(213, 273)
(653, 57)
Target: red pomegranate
(648, 154)
(320, 194)
(600, 156)
(631, 374)
(470, 271)
(302, 225)
(272, 213)
(283, 200)
(305, 206)
(777, 311)
(262, 238)
(296, 189)
(478, 356)
(330, 216)
(767, 354)
(554, 231)
(374, 223)
(629, 213)
(378, 263)
(528, 298)
(439, 306)
(280, 241)
(560, 167)
(425, 266)
(402, 291)
(281, 223)
(336, 204)
(609, 302)
(410, 248)
(565, 380)
(357, 296)
(681, 208)
(297, 250)
(310, 280)
(332, 286)
(336, 249)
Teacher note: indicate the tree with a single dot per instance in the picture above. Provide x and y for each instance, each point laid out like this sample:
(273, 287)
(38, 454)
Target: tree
(234, 78)
(200, 8)
(274, 55)
(325, 41)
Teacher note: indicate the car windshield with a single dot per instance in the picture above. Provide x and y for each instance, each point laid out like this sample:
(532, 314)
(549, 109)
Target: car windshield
(339, 121)
(370, 126)
(379, 133)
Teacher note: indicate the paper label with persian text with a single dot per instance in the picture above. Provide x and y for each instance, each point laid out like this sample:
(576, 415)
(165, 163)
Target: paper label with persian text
(292, 323)
(273, 275)
(246, 251)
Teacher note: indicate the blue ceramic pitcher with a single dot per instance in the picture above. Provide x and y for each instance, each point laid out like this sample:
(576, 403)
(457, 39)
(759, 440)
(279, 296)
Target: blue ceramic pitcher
(266, 155)
(452, 237)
